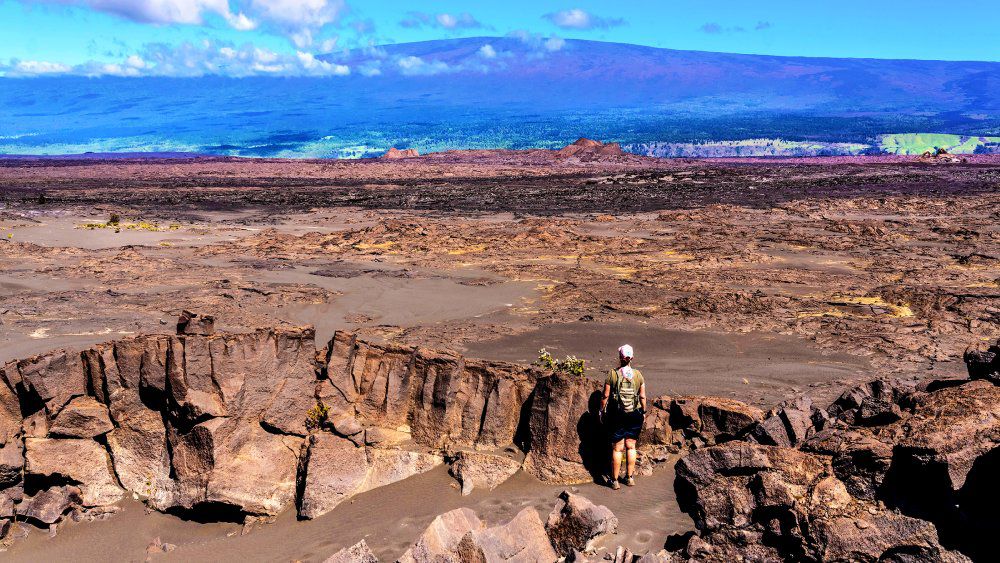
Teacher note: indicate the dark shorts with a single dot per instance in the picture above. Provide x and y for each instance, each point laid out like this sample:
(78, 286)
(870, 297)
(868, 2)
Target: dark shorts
(625, 425)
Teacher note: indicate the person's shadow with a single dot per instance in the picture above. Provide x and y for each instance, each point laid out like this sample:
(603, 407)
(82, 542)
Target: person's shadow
(595, 449)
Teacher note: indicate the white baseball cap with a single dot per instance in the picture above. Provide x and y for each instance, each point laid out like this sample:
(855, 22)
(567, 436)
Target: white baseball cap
(626, 351)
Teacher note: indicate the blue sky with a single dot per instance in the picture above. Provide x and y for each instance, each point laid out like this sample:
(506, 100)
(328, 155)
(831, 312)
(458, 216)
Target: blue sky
(179, 37)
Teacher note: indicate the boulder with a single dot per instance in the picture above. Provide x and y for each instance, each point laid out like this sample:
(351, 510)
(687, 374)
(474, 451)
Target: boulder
(575, 523)
(873, 403)
(858, 458)
(190, 323)
(49, 505)
(357, 553)
(486, 471)
(9, 499)
(656, 429)
(333, 469)
(83, 417)
(983, 362)
(567, 443)
(712, 419)
(440, 540)
(789, 424)
(790, 501)
(522, 539)
(85, 463)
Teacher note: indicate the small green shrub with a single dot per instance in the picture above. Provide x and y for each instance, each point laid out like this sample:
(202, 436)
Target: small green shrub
(316, 416)
(571, 365)
(114, 219)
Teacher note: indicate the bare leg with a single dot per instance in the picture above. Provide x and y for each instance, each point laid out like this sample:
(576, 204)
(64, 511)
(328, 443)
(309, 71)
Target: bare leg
(616, 459)
(630, 447)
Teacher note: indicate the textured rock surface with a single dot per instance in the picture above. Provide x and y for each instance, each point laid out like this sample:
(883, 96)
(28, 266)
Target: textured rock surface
(445, 399)
(567, 444)
(83, 417)
(82, 462)
(575, 523)
(482, 470)
(522, 539)
(791, 504)
(333, 469)
(357, 553)
(440, 540)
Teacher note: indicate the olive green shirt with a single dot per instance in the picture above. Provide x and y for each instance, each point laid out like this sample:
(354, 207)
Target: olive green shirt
(625, 390)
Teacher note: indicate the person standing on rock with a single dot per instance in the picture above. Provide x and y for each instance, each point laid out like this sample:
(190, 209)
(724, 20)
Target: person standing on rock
(622, 410)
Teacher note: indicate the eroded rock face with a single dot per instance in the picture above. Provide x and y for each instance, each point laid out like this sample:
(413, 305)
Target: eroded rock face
(567, 442)
(790, 503)
(445, 399)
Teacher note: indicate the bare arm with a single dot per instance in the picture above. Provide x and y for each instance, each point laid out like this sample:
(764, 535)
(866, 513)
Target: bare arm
(607, 394)
(642, 395)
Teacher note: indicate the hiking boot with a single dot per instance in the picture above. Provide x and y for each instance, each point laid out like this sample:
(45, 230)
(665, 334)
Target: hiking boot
(630, 481)
(614, 485)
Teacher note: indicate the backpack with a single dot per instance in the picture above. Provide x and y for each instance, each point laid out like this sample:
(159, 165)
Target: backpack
(616, 381)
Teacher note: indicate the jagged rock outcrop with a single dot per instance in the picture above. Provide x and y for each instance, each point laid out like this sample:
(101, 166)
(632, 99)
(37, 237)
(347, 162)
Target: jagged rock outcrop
(575, 523)
(789, 424)
(928, 453)
(764, 502)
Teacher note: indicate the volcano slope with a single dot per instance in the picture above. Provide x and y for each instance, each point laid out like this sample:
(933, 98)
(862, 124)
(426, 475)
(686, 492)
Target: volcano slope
(836, 270)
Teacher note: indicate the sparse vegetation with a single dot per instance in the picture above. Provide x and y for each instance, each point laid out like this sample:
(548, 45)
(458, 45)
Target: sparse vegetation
(317, 416)
(115, 222)
(571, 365)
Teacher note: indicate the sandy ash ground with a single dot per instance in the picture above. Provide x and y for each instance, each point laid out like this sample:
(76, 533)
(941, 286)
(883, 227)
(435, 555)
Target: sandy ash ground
(757, 280)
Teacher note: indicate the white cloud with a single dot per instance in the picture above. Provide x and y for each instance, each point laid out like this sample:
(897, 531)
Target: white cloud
(581, 19)
(135, 61)
(39, 67)
(192, 59)
(415, 66)
(164, 11)
(463, 20)
(554, 43)
(488, 52)
(300, 20)
(311, 63)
